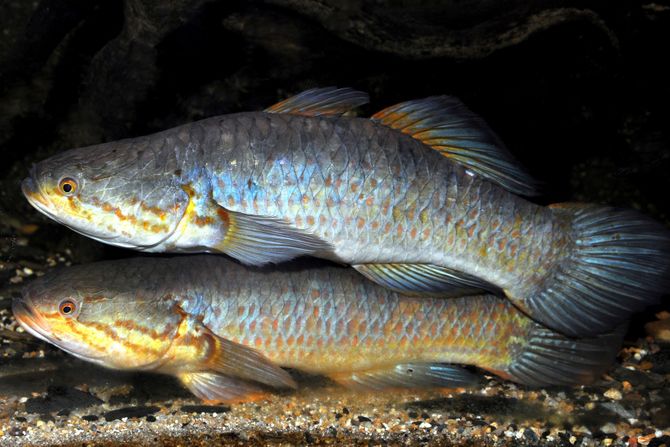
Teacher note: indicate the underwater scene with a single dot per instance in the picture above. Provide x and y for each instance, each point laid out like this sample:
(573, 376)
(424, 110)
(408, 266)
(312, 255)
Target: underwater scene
(296, 222)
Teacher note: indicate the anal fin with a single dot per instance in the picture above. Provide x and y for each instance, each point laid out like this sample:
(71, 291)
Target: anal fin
(258, 240)
(408, 375)
(424, 279)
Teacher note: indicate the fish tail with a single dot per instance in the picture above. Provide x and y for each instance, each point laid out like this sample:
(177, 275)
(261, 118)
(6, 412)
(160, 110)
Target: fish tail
(549, 358)
(619, 263)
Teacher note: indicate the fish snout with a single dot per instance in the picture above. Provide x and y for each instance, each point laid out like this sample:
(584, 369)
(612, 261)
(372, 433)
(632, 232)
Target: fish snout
(32, 192)
(31, 320)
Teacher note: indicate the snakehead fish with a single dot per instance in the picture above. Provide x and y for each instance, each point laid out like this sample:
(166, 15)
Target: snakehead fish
(422, 198)
(226, 330)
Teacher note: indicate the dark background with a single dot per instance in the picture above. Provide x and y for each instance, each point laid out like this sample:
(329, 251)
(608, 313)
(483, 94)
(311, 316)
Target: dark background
(578, 90)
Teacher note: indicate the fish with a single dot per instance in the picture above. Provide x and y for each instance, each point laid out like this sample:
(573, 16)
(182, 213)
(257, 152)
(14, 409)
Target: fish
(422, 197)
(227, 331)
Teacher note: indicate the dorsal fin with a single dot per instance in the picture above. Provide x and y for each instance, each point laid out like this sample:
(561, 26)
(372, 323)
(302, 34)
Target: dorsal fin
(327, 101)
(448, 126)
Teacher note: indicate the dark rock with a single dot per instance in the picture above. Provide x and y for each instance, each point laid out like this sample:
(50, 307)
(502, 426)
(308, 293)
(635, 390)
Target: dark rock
(46, 418)
(661, 361)
(129, 412)
(530, 435)
(364, 419)
(16, 431)
(91, 417)
(151, 418)
(120, 399)
(205, 408)
(661, 417)
(658, 442)
(60, 398)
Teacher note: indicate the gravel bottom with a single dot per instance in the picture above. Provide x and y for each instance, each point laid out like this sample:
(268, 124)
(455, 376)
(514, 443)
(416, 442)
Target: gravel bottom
(85, 405)
(50, 398)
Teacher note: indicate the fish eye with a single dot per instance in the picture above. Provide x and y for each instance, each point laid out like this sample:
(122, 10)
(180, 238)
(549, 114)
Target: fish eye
(67, 186)
(67, 308)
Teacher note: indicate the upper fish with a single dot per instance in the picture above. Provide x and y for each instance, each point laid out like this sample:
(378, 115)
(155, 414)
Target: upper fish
(422, 198)
(226, 330)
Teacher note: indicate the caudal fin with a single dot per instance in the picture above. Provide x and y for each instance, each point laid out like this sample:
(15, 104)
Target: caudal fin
(550, 358)
(619, 265)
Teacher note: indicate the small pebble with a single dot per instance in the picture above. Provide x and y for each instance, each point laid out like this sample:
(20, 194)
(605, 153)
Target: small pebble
(608, 428)
(613, 394)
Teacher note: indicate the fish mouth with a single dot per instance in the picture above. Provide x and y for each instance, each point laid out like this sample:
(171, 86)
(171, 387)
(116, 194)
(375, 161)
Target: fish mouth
(32, 192)
(32, 322)
(37, 326)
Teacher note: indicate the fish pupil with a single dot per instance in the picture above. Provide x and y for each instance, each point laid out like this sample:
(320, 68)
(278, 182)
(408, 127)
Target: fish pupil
(66, 308)
(67, 187)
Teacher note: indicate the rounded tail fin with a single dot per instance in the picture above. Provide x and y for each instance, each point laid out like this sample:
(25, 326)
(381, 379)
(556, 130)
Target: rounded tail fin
(550, 358)
(619, 265)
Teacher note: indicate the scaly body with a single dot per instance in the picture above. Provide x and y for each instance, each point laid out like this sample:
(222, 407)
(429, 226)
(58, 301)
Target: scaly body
(171, 315)
(374, 194)
(419, 199)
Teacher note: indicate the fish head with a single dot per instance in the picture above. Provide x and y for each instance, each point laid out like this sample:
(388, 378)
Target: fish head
(118, 193)
(97, 316)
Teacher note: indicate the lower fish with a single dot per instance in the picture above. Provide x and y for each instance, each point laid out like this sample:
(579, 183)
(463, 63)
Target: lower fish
(227, 331)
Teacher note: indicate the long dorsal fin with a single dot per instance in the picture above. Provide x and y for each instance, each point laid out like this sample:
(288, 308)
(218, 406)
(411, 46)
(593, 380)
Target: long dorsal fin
(326, 101)
(448, 126)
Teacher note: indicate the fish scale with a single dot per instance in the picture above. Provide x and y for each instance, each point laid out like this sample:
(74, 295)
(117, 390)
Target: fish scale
(256, 322)
(221, 327)
(422, 198)
(458, 195)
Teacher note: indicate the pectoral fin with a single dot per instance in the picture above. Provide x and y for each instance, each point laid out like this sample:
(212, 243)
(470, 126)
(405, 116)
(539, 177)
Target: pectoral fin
(258, 240)
(408, 375)
(238, 361)
(424, 279)
(327, 101)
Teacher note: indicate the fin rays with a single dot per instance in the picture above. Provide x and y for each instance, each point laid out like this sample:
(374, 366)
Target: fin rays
(446, 125)
(619, 266)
